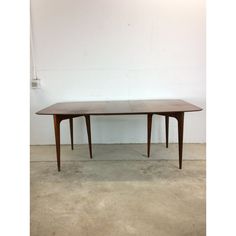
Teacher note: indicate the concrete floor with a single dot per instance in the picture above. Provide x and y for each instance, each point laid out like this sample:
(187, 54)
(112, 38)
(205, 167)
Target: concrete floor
(119, 193)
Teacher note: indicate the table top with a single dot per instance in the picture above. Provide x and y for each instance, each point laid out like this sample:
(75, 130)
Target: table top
(119, 107)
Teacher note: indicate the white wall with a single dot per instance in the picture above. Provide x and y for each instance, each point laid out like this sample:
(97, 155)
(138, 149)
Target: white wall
(118, 50)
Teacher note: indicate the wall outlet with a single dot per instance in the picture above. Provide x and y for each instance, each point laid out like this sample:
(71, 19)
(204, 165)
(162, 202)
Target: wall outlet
(35, 83)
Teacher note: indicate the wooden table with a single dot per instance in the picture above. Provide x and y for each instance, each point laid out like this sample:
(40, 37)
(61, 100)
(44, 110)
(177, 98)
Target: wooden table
(167, 108)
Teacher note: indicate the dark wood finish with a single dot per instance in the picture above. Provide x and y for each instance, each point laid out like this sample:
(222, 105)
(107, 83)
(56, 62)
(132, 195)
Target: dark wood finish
(180, 119)
(71, 133)
(57, 122)
(167, 130)
(149, 132)
(167, 108)
(87, 119)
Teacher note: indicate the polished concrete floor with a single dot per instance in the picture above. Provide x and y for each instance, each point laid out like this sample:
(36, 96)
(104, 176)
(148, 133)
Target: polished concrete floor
(120, 192)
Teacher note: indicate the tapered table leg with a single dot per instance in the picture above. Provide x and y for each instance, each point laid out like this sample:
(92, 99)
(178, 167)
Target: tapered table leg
(87, 119)
(57, 121)
(71, 133)
(180, 119)
(167, 130)
(149, 131)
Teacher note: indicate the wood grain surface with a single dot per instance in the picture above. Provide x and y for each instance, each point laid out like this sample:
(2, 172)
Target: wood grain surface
(119, 107)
